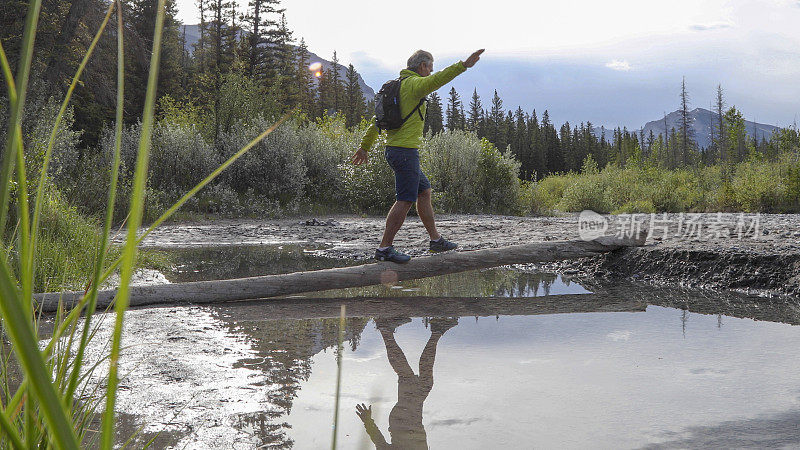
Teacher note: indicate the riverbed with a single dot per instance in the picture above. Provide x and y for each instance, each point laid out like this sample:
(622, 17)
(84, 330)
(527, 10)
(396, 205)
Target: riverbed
(513, 357)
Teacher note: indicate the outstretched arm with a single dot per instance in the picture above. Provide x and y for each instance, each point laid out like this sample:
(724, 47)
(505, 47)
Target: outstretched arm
(365, 414)
(423, 86)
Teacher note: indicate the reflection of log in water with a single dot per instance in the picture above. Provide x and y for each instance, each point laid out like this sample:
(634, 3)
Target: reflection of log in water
(364, 275)
(431, 307)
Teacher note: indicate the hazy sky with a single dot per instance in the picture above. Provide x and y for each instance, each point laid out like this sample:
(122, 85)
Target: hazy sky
(616, 62)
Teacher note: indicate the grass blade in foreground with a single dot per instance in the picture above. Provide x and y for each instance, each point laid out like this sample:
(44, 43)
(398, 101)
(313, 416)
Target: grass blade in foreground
(15, 117)
(112, 193)
(27, 288)
(129, 252)
(339, 351)
(19, 325)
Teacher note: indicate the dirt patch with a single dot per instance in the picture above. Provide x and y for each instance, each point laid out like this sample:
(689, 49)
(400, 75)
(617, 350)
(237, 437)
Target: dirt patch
(758, 254)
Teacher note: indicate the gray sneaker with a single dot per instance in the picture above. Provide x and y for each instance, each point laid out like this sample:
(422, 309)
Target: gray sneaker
(392, 255)
(442, 245)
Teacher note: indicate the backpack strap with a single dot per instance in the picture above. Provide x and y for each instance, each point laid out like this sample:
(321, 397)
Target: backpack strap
(416, 108)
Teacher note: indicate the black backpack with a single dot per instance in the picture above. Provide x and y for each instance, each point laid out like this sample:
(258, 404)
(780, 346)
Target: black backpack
(387, 106)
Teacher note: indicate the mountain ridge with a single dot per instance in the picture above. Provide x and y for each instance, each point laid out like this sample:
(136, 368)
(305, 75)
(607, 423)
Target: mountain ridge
(701, 120)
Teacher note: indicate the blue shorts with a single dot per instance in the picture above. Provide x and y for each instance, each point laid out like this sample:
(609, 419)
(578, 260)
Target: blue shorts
(409, 180)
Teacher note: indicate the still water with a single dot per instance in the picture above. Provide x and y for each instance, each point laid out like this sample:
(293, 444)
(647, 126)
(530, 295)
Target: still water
(506, 358)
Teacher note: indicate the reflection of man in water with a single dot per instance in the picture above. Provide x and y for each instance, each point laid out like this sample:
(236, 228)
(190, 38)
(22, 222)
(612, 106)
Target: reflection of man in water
(405, 420)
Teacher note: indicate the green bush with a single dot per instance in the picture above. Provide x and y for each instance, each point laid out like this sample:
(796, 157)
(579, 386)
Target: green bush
(547, 192)
(585, 192)
(756, 188)
(636, 206)
(179, 159)
(369, 188)
(469, 174)
(498, 180)
(273, 169)
(324, 145)
(450, 160)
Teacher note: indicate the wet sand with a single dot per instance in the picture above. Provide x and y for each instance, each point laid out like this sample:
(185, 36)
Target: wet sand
(756, 254)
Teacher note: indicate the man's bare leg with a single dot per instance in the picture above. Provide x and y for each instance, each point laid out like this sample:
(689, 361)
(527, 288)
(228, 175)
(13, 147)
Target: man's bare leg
(394, 220)
(425, 212)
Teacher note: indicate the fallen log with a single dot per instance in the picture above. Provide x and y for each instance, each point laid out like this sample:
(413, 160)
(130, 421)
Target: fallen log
(347, 277)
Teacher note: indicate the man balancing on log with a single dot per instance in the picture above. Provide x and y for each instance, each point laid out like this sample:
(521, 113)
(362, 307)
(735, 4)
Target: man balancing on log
(400, 111)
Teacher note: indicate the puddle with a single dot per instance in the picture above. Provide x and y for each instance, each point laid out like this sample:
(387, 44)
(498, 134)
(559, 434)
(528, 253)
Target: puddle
(241, 261)
(620, 368)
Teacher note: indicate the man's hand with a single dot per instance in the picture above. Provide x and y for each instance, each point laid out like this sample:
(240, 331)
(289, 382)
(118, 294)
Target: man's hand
(473, 58)
(363, 412)
(359, 157)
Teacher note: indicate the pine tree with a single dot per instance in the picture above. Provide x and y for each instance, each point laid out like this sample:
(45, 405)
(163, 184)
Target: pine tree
(537, 158)
(200, 45)
(434, 119)
(354, 98)
(455, 121)
(687, 132)
(519, 141)
(553, 158)
(282, 61)
(475, 112)
(324, 93)
(336, 86)
(140, 17)
(260, 39)
(494, 122)
(722, 134)
(303, 79)
(284, 53)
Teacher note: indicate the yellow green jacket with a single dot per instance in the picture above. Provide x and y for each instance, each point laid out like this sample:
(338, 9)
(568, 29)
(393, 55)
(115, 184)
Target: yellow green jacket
(412, 90)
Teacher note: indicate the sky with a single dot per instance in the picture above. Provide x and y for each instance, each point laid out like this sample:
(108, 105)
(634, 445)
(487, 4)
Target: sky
(614, 63)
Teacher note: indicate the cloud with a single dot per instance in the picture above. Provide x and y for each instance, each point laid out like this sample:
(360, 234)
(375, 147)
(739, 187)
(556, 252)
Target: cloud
(616, 64)
(710, 26)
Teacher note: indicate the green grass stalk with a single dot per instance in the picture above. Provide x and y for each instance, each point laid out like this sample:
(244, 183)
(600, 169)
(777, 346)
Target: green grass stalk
(29, 257)
(17, 107)
(101, 252)
(19, 325)
(339, 351)
(129, 251)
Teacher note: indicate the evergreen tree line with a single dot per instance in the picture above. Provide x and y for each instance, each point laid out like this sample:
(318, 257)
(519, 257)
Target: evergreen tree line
(542, 149)
(242, 54)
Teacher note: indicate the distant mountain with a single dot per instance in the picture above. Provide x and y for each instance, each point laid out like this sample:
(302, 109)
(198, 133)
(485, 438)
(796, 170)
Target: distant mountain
(701, 120)
(192, 33)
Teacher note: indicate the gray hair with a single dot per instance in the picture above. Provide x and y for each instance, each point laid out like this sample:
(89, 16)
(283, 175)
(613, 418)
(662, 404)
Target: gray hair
(419, 57)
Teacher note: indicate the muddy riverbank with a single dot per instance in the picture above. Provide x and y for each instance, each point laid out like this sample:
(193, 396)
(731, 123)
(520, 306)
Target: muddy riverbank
(757, 254)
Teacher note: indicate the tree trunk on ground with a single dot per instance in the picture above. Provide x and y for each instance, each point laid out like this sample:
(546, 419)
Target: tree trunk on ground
(349, 277)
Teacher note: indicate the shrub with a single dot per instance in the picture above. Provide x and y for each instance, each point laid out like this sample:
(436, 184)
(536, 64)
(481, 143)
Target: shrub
(547, 192)
(585, 192)
(369, 187)
(636, 206)
(450, 161)
(756, 188)
(179, 159)
(498, 179)
(324, 146)
(469, 174)
(273, 168)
